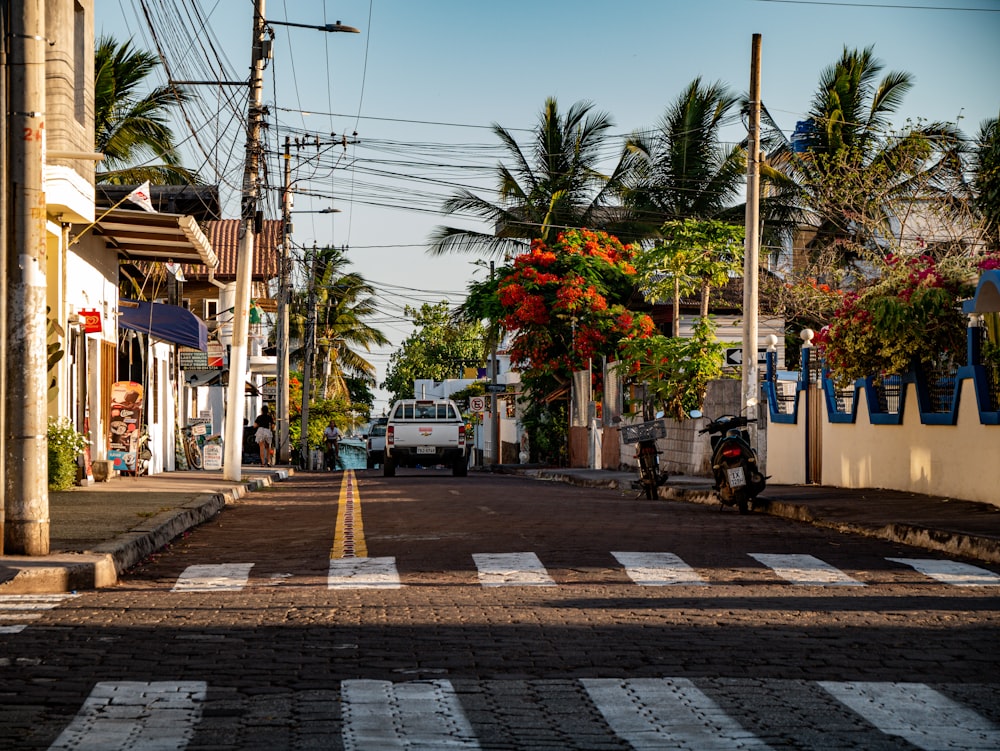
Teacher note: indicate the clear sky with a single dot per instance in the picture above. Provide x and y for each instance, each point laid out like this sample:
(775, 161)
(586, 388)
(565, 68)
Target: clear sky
(422, 83)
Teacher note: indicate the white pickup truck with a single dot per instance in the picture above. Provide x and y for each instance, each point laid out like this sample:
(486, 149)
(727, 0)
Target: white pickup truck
(425, 431)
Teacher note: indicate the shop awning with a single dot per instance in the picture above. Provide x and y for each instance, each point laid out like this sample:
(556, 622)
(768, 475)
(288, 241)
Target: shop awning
(170, 323)
(140, 235)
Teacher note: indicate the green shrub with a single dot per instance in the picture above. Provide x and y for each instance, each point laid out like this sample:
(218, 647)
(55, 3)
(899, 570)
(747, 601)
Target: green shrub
(65, 445)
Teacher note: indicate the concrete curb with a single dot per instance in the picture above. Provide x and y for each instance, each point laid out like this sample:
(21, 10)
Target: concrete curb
(99, 567)
(954, 543)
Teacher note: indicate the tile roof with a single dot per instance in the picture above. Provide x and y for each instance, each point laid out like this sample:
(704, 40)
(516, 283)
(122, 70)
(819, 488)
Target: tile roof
(223, 234)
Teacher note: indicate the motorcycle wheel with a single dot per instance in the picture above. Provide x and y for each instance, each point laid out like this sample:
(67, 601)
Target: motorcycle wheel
(743, 502)
(651, 485)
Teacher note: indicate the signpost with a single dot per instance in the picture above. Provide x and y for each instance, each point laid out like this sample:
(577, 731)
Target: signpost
(734, 356)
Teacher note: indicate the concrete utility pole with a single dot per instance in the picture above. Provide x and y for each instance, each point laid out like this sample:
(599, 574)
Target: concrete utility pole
(308, 356)
(284, 293)
(236, 393)
(26, 495)
(752, 247)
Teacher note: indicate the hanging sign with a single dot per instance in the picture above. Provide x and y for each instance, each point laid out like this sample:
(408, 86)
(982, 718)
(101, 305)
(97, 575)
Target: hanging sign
(90, 320)
(126, 412)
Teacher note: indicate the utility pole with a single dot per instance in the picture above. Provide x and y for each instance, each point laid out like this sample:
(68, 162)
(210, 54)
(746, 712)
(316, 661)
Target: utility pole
(26, 523)
(236, 393)
(284, 293)
(307, 361)
(751, 253)
(495, 427)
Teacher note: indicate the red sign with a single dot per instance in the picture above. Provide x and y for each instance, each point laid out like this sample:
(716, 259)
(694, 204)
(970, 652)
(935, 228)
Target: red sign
(91, 321)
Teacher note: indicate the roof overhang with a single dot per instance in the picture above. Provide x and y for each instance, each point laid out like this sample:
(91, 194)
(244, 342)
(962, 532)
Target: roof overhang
(142, 235)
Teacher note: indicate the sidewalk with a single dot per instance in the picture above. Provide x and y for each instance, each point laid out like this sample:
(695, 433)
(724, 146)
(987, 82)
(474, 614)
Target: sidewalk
(99, 530)
(951, 526)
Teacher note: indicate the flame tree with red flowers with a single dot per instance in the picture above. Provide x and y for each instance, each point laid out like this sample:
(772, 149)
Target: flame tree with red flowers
(563, 304)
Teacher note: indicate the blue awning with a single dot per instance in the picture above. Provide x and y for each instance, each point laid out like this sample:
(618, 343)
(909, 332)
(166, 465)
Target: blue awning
(170, 323)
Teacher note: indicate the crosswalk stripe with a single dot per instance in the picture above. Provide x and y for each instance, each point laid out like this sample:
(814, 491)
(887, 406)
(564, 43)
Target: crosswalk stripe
(218, 577)
(952, 572)
(135, 715)
(658, 713)
(19, 610)
(363, 573)
(383, 716)
(916, 712)
(511, 569)
(805, 570)
(658, 569)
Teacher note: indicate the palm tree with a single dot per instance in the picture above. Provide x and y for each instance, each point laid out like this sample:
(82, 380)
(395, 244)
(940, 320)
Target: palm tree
(986, 167)
(683, 169)
(554, 186)
(131, 130)
(851, 174)
(343, 301)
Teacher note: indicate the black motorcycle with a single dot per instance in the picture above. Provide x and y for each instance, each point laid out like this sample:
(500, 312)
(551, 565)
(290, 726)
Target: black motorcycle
(644, 435)
(738, 478)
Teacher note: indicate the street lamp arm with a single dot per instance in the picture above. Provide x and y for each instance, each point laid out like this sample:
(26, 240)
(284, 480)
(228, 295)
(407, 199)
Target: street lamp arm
(325, 27)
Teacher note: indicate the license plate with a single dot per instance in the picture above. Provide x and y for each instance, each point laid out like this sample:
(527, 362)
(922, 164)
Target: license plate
(736, 477)
(425, 449)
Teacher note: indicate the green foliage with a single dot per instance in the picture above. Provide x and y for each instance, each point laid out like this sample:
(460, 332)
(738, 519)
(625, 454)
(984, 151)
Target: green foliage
(911, 315)
(676, 371)
(439, 348)
(131, 128)
(64, 446)
(53, 350)
(987, 180)
(548, 428)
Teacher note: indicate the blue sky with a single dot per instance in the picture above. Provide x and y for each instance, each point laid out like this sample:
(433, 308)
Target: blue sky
(424, 80)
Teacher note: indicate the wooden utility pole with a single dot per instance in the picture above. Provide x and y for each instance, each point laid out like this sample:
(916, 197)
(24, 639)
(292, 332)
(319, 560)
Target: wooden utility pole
(284, 294)
(26, 496)
(236, 393)
(752, 244)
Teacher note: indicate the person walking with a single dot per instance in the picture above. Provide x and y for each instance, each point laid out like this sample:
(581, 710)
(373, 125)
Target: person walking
(264, 436)
(332, 436)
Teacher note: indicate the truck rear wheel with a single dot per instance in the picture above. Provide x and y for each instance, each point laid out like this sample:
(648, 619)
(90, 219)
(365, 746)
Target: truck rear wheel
(460, 468)
(389, 467)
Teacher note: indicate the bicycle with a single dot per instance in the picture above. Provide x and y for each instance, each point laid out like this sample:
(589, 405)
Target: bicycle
(192, 450)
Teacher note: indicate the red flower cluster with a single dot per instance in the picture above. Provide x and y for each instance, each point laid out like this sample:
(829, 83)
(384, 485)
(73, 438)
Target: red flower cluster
(557, 306)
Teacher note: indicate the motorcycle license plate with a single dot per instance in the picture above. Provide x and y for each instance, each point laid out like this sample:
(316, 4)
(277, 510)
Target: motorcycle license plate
(425, 449)
(736, 477)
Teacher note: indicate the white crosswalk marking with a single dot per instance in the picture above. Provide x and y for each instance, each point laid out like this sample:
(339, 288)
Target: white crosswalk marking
(17, 611)
(657, 569)
(952, 572)
(421, 715)
(511, 569)
(917, 713)
(805, 570)
(363, 573)
(659, 713)
(135, 716)
(219, 577)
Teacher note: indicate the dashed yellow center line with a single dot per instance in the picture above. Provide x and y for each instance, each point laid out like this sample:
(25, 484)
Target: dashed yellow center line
(349, 537)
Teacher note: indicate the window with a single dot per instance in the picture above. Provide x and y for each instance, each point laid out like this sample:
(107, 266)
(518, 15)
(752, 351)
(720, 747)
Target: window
(210, 309)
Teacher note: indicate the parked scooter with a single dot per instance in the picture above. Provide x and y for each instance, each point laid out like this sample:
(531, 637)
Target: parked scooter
(644, 435)
(738, 478)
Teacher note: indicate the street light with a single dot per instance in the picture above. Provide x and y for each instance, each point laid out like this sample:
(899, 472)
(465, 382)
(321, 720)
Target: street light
(324, 27)
(260, 51)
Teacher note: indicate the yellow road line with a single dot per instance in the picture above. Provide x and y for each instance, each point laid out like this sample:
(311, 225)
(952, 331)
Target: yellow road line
(349, 537)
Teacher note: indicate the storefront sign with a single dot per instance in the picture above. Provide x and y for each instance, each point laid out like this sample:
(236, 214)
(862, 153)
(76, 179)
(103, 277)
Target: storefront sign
(126, 414)
(90, 320)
